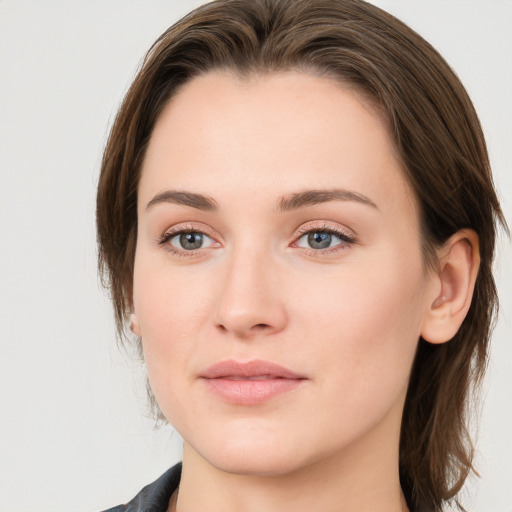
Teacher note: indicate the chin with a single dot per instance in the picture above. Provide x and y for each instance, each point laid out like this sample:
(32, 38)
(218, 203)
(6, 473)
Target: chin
(252, 464)
(265, 456)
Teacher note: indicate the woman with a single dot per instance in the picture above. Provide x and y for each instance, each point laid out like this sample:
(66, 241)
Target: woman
(296, 218)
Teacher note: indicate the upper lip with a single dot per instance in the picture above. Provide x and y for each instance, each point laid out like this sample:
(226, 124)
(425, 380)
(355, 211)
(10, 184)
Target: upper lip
(251, 369)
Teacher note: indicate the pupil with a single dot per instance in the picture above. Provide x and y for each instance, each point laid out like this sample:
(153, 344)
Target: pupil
(191, 240)
(319, 240)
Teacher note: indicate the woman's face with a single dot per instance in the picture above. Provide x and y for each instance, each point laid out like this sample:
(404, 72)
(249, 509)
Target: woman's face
(275, 227)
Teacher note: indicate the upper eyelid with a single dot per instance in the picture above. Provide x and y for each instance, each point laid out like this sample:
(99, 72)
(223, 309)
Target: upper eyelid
(324, 225)
(189, 227)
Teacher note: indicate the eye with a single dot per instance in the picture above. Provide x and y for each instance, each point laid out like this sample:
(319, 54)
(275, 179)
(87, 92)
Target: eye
(186, 240)
(189, 240)
(318, 239)
(324, 239)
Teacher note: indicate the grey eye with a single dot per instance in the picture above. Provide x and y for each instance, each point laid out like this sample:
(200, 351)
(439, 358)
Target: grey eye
(319, 239)
(190, 241)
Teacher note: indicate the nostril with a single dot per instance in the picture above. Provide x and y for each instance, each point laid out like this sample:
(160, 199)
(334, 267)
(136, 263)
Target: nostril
(260, 326)
(254, 328)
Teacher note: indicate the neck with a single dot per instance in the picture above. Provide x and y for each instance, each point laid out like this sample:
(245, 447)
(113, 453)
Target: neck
(360, 478)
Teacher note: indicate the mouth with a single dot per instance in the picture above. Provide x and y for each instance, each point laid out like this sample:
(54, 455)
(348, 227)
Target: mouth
(251, 383)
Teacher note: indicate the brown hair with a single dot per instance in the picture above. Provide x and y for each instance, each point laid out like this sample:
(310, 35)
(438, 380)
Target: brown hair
(437, 136)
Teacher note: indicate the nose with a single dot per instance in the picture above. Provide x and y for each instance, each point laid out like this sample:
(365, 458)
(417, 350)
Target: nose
(251, 297)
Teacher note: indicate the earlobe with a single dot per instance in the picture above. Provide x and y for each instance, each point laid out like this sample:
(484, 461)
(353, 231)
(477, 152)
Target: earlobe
(459, 260)
(134, 324)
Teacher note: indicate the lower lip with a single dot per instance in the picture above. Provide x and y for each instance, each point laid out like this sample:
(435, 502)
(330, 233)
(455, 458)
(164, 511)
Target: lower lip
(251, 392)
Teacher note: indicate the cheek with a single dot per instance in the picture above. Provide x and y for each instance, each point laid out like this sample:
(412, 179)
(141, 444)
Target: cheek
(361, 339)
(166, 299)
(170, 314)
(173, 309)
(366, 320)
(169, 311)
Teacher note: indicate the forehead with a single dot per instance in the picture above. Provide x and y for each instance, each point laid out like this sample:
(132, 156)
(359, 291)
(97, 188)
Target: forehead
(272, 133)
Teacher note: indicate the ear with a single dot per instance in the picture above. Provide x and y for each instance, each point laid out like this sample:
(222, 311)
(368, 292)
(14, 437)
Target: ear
(134, 324)
(459, 260)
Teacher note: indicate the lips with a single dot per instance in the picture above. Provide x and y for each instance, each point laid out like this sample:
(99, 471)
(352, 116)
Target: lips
(251, 383)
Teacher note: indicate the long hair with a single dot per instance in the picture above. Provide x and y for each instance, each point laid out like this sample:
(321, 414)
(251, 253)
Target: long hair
(436, 134)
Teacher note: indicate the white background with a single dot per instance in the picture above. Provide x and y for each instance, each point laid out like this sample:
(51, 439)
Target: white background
(73, 435)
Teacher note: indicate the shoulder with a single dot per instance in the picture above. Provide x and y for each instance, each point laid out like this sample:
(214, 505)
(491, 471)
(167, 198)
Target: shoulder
(155, 496)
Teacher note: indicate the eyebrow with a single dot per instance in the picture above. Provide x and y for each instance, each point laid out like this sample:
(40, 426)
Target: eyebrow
(312, 197)
(191, 199)
(285, 203)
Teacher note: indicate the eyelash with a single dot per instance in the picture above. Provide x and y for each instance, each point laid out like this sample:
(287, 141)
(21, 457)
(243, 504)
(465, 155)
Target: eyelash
(346, 240)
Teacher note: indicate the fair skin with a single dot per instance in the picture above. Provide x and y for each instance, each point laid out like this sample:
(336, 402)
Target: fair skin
(330, 286)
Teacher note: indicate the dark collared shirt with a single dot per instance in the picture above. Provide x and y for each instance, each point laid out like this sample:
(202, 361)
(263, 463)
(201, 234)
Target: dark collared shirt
(154, 497)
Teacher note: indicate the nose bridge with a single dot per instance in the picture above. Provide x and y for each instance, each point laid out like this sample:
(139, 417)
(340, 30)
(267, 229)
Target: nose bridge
(250, 299)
